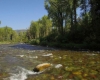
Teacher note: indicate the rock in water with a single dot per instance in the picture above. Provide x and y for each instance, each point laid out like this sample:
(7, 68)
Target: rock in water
(41, 67)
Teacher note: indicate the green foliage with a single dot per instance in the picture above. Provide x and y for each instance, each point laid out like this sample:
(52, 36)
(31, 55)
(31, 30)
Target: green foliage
(64, 28)
(56, 11)
(40, 28)
(7, 34)
(44, 43)
(35, 41)
(21, 37)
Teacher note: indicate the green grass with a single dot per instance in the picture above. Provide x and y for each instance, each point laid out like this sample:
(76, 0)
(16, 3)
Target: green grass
(5, 42)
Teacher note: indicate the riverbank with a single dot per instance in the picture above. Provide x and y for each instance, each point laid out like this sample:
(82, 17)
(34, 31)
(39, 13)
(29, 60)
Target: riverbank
(68, 46)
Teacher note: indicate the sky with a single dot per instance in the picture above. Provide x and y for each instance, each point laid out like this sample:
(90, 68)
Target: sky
(18, 14)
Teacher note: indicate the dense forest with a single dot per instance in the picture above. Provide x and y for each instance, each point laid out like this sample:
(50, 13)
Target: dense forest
(70, 24)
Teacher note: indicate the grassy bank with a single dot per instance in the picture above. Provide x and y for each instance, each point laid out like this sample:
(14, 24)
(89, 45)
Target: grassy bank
(5, 42)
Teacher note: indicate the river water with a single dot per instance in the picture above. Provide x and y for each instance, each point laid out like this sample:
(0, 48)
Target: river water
(18, 60)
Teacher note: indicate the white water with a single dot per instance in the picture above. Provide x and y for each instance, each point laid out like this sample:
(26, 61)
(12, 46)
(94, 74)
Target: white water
(58, 66)
(20, 74)
(50, 54)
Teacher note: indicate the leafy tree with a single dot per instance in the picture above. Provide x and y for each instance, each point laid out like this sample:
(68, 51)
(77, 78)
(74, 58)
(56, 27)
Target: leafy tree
(7, 34)
(62, 26)
(46, 25)
(95, 15)
(40, 28)
(34, 31)
(56, 11)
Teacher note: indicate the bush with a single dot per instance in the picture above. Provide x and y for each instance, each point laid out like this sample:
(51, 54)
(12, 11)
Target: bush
(55, 44)
(44, 43)
(35, 41)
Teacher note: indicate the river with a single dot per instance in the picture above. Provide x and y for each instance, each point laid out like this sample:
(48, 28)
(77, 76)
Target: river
(18, 60)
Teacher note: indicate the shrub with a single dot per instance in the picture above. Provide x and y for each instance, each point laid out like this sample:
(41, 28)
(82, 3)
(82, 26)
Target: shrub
(44, 43)
(35, 41)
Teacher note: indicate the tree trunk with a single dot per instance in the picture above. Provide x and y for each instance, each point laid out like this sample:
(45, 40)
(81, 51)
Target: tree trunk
(61, 23)
(74, 7)
(71, 19)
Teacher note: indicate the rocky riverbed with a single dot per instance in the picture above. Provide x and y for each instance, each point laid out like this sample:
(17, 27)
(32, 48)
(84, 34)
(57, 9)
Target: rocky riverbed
(18, 60)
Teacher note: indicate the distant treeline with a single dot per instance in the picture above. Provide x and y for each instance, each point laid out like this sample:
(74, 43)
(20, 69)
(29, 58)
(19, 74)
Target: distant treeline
(10, 35)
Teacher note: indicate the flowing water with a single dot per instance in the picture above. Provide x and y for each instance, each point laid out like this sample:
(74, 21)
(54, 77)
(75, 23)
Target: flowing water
(18, 60)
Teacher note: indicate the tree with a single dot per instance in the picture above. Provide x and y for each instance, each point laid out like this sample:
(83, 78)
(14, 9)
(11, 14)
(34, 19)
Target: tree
(40, 28)
(95, 15)
(56, 11)
(46, 25)
(34, 30)
(7, 34)
(0, 22)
